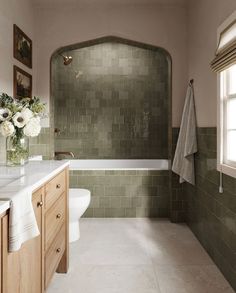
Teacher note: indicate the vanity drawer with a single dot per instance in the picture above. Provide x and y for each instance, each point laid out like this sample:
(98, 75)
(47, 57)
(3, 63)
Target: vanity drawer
(54, 219)
(54, 188)
(54, 254)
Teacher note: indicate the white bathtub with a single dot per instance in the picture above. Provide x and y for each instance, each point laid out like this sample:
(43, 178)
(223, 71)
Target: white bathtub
(119, 165)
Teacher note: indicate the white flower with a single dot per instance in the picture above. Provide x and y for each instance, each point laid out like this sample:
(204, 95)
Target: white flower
(7, 128)
(33, 127)
(20, 120)
(5, 114)
(27, 114)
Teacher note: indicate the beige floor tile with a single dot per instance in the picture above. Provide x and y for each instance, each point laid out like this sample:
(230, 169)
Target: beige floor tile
(191, 279)
(138, 256)
(113, 231)
(106, 279)
(174, 244)
(107, 254)
(177, 253)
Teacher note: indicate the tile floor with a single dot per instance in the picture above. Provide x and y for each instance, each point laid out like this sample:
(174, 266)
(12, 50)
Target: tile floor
(138, 256)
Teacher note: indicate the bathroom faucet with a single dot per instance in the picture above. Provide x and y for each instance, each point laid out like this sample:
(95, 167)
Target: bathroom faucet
(71, 154)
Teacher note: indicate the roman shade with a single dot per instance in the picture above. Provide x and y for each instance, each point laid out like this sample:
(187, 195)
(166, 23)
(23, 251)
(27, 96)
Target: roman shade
(226, 50)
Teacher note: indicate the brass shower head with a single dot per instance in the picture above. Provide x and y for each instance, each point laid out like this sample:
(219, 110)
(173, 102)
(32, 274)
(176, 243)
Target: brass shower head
(67, 59)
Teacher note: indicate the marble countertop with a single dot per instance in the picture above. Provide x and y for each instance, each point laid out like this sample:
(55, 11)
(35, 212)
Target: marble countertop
(15, 180)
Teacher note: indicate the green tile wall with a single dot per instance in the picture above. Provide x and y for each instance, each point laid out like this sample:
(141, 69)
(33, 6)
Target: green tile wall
(178, 200)
(112, 102)
(211, 215)
(124, 193)
(42, 144)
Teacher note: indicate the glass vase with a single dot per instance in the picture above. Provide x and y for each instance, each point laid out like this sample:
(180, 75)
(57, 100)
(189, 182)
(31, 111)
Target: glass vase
(17, 151)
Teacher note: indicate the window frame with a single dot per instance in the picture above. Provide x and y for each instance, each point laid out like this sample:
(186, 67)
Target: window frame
(223, 165)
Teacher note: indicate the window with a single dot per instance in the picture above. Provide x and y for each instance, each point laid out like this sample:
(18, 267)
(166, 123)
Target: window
(228, 97)
(224, 64)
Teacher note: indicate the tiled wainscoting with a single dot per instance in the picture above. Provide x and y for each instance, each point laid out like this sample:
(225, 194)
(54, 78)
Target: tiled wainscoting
(125, 193)
(42, 144)
(178, 200)
(211, 215)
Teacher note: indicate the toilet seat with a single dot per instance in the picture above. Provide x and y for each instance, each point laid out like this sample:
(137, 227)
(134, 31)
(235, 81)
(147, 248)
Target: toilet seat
(78, 197)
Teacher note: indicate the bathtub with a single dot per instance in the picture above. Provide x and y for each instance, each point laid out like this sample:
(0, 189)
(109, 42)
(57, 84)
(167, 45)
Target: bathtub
(123, 188)
(119, 164)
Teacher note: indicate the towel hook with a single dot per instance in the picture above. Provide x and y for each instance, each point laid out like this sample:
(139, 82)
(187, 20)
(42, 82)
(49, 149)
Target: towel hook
(191, 81)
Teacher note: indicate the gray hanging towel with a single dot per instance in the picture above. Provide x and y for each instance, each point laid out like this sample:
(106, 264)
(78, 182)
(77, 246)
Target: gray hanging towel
(183, 163)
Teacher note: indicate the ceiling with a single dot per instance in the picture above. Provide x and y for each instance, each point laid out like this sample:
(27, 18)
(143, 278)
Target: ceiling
(70, 2)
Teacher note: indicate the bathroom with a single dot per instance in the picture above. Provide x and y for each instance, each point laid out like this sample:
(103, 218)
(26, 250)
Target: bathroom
(113, 77)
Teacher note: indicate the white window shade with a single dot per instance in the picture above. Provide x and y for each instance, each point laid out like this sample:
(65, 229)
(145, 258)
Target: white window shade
(227, 37)
(226, 50)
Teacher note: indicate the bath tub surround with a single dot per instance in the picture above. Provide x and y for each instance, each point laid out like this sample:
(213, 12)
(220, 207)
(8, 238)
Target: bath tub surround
(113, 100)
(123, 188)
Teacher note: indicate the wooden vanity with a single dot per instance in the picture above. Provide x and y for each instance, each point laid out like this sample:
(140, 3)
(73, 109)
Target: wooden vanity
(30, 269)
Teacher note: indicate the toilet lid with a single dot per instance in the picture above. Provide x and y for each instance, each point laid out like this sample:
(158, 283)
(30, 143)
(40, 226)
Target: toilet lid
(79, 192)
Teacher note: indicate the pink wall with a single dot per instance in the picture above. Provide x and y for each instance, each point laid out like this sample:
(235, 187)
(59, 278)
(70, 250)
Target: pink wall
(156, 24)
(204, 17)
(188, 33)
(19, 12)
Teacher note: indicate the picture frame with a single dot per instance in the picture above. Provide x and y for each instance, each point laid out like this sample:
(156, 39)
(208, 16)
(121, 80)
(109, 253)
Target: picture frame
(22, 84)
(22, 48)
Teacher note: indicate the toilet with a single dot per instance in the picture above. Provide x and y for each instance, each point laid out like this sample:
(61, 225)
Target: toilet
(79, 200)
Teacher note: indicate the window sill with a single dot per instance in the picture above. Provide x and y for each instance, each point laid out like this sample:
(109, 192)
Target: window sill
(226, 169)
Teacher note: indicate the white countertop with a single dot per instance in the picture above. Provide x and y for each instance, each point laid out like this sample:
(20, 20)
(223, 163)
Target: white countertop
(29, 177)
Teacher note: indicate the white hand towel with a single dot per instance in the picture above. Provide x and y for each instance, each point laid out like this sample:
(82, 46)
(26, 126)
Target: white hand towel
(22, 222)
(183, 163)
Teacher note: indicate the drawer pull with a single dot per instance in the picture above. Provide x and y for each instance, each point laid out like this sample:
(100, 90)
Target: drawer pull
(58, 250)
(58, 216)
(58, 186)
(40, 204)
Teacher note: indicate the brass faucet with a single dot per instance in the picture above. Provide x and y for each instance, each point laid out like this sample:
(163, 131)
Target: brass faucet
(71, 154)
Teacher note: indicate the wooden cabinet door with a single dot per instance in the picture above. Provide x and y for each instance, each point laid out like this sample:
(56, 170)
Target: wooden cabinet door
(22, 270)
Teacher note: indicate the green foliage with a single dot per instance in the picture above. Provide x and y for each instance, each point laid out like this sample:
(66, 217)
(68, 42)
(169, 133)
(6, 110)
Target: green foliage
(36, 106)
(14, 105)
(5, 100)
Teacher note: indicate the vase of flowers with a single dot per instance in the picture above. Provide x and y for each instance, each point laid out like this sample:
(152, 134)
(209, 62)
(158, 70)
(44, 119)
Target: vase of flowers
(19, 120)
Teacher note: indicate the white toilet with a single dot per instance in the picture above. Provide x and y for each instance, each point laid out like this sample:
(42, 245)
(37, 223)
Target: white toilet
(79, 200)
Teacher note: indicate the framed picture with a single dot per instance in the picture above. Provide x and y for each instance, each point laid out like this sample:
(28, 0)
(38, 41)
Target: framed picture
(22, 47)
(22, 84)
